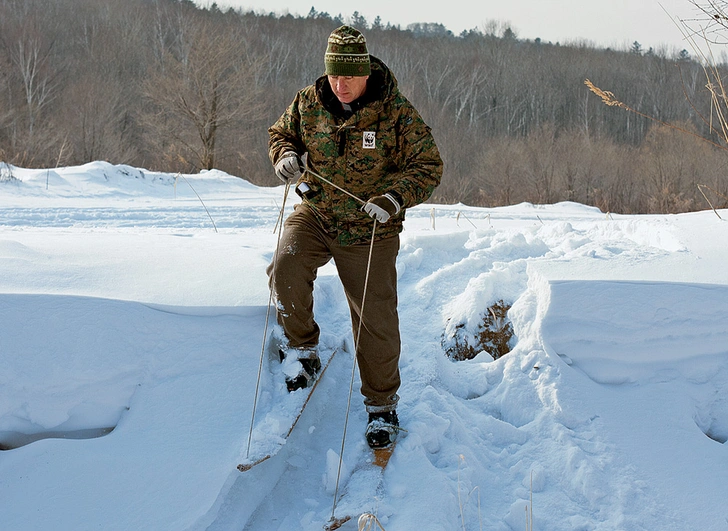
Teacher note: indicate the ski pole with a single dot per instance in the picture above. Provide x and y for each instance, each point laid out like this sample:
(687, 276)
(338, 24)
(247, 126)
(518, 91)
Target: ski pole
(353, 371)
(279, 227)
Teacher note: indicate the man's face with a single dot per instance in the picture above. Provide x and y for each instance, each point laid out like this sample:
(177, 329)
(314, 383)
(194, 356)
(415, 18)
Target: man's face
(348, 88)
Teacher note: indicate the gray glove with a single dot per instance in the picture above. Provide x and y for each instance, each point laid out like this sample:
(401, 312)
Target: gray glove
(289, 167)
(382, 207)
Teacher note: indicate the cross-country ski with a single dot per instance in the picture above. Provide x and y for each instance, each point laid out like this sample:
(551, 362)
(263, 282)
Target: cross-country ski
(363, 490)
(264, 436)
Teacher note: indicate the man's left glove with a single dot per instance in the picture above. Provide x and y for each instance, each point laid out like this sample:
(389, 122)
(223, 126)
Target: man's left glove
(382, 207)
(289, 167)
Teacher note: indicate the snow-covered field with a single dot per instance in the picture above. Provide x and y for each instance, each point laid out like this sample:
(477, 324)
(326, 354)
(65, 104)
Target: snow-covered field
(131, 331)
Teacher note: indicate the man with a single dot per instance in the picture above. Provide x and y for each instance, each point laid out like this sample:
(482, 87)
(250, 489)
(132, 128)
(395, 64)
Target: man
(364, 144)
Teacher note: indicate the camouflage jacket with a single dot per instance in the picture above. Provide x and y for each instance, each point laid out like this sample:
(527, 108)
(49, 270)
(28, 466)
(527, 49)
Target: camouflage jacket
(383, 146)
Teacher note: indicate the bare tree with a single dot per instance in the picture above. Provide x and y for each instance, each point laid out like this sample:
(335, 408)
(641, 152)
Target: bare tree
(28, 37)
(30, 54)
(204, 88)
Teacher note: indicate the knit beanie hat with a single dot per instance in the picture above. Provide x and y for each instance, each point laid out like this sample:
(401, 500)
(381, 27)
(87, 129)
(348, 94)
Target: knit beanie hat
(346, 53)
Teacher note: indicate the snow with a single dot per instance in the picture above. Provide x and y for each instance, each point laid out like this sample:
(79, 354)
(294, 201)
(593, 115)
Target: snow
(132, 319)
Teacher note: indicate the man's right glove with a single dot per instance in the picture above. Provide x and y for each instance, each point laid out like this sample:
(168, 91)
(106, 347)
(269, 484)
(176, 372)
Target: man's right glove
(289, 167)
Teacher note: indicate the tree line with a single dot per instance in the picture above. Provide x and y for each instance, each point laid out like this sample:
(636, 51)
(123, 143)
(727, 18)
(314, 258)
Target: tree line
(170, 86)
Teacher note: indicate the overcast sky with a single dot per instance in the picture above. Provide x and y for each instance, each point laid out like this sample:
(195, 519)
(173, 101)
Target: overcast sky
(618, 23)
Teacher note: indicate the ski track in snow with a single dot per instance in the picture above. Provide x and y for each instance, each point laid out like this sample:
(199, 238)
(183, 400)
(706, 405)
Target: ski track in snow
(613, 347)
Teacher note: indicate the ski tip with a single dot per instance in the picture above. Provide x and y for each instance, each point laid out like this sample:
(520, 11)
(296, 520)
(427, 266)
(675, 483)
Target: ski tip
(244, 467)
(336, 523)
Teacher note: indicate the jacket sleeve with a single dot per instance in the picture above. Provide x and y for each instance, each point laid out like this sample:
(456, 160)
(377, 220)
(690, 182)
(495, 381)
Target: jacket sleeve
(421, 169)
(285, 134)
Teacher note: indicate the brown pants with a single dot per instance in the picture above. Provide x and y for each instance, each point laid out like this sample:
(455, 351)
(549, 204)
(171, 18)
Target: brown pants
(304, 247)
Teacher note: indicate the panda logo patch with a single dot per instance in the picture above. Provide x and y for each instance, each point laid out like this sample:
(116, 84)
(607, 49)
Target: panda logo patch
(370, 140)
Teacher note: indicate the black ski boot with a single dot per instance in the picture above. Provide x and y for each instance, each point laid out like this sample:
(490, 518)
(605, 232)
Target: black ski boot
(302, 366)
(307, 375)
(382, 429)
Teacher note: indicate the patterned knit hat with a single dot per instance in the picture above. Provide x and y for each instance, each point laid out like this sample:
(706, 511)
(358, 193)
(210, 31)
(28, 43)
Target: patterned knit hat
(346, 53)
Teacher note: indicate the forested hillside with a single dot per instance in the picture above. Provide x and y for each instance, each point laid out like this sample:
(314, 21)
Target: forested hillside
(166, 85)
